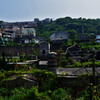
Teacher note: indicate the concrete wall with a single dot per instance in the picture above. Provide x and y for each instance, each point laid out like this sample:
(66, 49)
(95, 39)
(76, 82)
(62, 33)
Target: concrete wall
(16, 51)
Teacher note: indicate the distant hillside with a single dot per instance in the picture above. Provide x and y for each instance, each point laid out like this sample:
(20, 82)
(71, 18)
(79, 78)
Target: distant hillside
(72, 25)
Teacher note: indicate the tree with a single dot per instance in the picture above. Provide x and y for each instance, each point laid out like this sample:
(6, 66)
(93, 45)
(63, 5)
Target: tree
(72, 34)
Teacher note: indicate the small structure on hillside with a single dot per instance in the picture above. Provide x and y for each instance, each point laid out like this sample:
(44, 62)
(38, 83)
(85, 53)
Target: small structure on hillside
(44, 50)
(28, 31)
(47, 59)
(52, 62)
(59, 37)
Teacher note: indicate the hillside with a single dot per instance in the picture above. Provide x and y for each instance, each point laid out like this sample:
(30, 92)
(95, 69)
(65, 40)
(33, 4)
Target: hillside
(72, 25)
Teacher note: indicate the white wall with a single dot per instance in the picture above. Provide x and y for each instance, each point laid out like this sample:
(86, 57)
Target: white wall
(28, 31)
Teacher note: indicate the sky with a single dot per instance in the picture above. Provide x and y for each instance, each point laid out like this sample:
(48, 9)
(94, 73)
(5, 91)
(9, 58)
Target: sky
(27, 10)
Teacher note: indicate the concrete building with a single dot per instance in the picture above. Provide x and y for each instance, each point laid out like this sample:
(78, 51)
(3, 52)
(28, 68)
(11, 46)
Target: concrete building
(44, 50)
(47, 59)
(30, 24)
(98, 38)
(28, 31)
(59, 36)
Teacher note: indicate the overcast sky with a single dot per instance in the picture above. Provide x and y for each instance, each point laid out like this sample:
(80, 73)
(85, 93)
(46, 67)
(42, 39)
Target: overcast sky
(27, 10)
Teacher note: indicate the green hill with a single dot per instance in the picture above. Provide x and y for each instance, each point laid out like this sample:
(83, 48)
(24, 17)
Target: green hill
(71, 25)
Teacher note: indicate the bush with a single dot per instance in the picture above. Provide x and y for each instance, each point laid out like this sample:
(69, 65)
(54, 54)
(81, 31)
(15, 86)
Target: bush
(47, 80)
(3, 92)
(81, 98)
(87, 64)
(4, 98)
(25, 94)
(77, 64)
(60, 94)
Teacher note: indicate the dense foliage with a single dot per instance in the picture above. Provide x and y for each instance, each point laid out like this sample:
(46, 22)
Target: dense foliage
(72, 25)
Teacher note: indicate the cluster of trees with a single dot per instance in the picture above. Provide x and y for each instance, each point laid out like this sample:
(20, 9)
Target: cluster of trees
(72, 25)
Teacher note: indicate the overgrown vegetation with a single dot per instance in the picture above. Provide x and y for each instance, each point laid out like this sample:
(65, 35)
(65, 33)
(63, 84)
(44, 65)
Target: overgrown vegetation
(48, 84)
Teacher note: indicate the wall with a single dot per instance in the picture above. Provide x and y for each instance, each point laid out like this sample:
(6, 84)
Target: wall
(16, 51)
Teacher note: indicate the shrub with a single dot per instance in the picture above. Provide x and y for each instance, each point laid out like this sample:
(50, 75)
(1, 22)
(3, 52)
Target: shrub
(60, 94)
(25, 94)
(77, 64)
(4, 98)
(3, 92)
(87, 64)
(47, 80)
(81, 98)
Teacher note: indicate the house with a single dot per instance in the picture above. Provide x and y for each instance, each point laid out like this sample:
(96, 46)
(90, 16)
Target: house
(24, 39)
(11, 33)
(59, 37)
(28, 31)
(18, 24)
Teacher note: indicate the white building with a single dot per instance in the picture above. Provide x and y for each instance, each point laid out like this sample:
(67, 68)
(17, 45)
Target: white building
(28, 31)
(60, 35)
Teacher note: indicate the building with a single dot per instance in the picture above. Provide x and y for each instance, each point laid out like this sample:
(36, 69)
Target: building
(28, 31)
(44, 50)
(36, 20)
(47, 59)
(25, 39)
(59, 36)
(98, 38)
(29, 24)
(47, 20)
